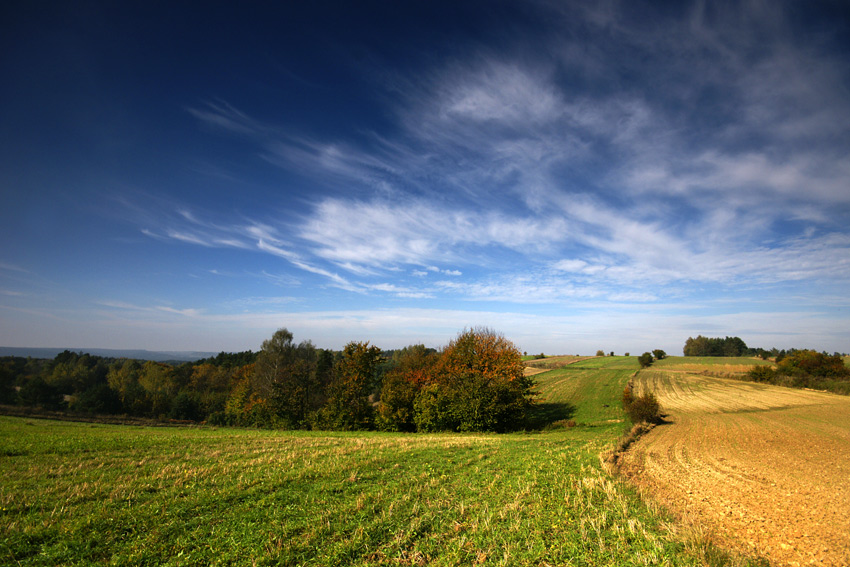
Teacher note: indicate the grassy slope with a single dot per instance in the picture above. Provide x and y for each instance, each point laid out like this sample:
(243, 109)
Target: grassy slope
(74, 493)
(592, 388)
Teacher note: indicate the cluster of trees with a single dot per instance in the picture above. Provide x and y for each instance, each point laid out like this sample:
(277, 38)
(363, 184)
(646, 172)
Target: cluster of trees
(734, 346)
(646, 359)
(475, 383)
(704, 346)
(806, 369)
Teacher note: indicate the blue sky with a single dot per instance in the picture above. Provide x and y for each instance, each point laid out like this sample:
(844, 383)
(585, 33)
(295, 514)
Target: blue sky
(578, 176)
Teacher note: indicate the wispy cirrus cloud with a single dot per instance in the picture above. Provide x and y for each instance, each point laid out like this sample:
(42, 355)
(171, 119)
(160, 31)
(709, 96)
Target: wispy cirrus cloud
(551, 158)
(378, 232)
(220, 114)
(13, 268)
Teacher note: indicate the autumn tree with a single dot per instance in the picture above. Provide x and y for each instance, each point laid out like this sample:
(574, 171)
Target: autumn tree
(478, 385)
(813, 363)
(412, 370)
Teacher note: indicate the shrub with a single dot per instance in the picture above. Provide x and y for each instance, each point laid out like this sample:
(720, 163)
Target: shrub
(762, 374)
(645, 360)
(644, 408)
(628, 397)
(813, 363)
(600, 353)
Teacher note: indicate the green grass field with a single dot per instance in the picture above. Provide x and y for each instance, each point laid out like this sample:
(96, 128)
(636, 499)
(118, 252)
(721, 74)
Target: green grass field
(81, 494)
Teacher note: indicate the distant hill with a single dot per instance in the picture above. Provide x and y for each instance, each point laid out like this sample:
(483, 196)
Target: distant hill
(159, 356)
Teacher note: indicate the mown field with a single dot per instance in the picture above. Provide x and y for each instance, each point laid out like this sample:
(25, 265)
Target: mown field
(80, 494)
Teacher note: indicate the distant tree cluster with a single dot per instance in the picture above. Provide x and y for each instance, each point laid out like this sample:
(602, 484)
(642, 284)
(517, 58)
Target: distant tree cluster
(645, 360)
(806, 369)
(476, 383)
(734, 346)
(704, 346)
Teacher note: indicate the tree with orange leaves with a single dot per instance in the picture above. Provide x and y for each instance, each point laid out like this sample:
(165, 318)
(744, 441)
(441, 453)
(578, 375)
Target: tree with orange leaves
(478, 385)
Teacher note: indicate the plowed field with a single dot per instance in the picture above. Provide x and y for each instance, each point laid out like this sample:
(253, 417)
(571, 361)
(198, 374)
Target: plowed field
(765, 469)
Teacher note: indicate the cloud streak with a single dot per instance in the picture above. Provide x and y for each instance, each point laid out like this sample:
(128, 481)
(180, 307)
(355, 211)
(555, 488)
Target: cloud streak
(709, 159)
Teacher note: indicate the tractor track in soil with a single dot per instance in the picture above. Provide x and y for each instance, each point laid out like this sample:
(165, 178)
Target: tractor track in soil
(765, 469)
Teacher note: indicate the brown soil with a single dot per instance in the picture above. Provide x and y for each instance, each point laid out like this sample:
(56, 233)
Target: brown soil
(537, 366)
(765, 469)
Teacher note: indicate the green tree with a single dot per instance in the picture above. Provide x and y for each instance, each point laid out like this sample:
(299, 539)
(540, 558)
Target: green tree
(645, 360)
(286, 377)
(704, 346)
(123, 378)
(157, 379)
(36, 392)
(348, 406)
(99, 399)
(659, 354)
(698, 346)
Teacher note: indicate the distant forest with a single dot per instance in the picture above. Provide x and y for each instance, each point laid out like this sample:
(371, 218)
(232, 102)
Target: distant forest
(476, 383)
(734, 346)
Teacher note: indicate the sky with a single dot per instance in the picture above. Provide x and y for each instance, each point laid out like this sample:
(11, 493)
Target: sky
(575, 175)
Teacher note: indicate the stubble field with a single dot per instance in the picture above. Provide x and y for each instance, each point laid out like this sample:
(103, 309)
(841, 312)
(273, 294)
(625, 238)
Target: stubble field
(764, 469)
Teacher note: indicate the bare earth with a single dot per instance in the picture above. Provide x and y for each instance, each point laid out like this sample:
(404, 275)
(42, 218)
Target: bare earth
(538, 366)
(765, 469)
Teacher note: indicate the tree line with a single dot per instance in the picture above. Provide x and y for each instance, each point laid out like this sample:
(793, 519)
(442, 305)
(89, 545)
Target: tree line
(733, 346)
(475, 383)
(806, 369)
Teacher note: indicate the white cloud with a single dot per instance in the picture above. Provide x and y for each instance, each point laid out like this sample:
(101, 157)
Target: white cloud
(504, 93)
(380, 233)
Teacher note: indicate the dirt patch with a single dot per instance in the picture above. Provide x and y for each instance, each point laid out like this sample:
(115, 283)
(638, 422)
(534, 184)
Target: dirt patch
(764, 468)
(540, 365)
(529, 371)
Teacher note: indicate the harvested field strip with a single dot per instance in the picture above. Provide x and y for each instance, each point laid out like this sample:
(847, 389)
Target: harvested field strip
(765, 468)
(593, 394)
